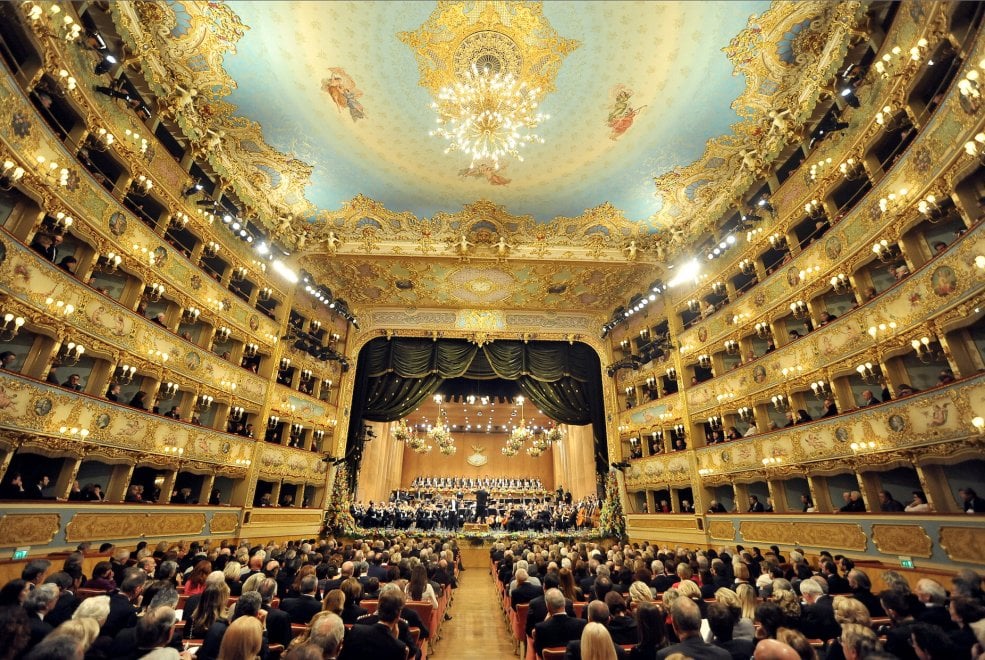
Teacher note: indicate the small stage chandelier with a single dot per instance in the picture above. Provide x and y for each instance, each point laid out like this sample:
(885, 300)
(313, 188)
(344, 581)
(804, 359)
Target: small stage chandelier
(489, 115)
(440, 434)
(519, 435)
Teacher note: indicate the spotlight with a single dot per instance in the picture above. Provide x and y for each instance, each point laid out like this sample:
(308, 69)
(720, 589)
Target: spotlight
(192, 189)
(105, 65)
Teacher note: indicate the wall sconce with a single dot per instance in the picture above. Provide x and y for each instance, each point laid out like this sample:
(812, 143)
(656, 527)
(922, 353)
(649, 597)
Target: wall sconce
(124, 374)
(135, 140)
(629, 391)
(724, 398)
(772, 460)
(155, 354)
(979, 424)
(886, 66)
(651, 383)
(817, 169)
(840, 283)
(223, 333)
(781, 402)
(731, 346)
(169, 391)
(704, 361)
(778, 241)
(74, 432)
(883, 329)
(821, 389)
(109, 262)
(645, 335)
(11, 174)
(211, 249)
(970, 90)
(718, 288)
(715, 422)
(154, 292)
(228, 385)
(239, 274)
(11, 326)
(792, 372)
(273, 421)
(250, 350)
(745, 413)
(930, 209)
(306, 375)
(763, 330)
(58, 223)
(980, 261)
(178, 221)
(868, 372)
(693, 305)
(799, 309)
(858, 447)
(190, 315)
(747, 267)
(680, 431)
(814, 209)
(264, 294)
(102, 139)
(893, 201)
(976, 147)
(285, 363)
(204, 402)
(314, 326)
(672, 374)
(927, 350)
(810, 272)
(70, 353)
(296, 429)
(172, 449)
(243, 462)
(326, 384)
(884, 250)
(141, 185)
(319, 435)
(50, 171)
(624, 345)
(753, 234)
(852, 169)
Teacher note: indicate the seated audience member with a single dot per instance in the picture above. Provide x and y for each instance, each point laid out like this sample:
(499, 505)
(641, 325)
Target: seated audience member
(559, 628)
(379, 640)
(353, 592)
(325, 637)
(685, 619)
(409, 618)
(918, 504)
(721, 622)
(248, 605)
(305, 606)
(243, 640)
(622, 627)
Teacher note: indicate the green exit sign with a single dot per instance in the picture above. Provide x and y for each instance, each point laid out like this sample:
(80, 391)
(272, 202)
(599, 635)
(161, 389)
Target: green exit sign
(21, 553)
(906, 562)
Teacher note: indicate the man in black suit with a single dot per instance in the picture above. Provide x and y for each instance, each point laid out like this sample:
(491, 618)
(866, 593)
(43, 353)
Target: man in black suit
(934, 598)
(597, 612)
(481, 500)
(836, 583)
(378, 641)
(302, 608)
(278, 622)
(378, 565)
(67, 600)
(524, 592)
(900, 608)
(722, 627)
(122, 612)
(559, 628)
(408, 619)
(686, 619)
(538, 606)
(661, 580)
(862, 591)
(755, 506)
(817, 619)
(970, 501)
(39, 602)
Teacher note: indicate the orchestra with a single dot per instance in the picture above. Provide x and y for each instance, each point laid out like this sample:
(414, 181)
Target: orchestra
(405, 512)
(473, 483)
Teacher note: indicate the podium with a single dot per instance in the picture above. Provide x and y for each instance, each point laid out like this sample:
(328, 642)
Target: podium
(475, 527)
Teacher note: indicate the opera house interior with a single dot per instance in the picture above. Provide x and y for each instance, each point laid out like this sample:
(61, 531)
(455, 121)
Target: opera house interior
(617, 302)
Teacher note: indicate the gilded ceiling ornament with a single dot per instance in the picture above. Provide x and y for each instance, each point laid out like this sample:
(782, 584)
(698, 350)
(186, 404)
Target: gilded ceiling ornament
(507, 37)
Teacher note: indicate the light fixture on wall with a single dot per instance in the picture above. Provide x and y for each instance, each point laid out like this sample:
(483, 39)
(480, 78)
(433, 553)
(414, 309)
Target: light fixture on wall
(672, 374)
(223, 334)
(168, 391)
(211, 249)
(265, 293)
(204, 402)
(882, 330)
(153, 292)
(58, 307)
(745, 413)
(693, 306)
(852, 169)
(250, 350)
(979, 424)
(731, 346)
(10, 175)
(190, 315)
(976, 147)
(884, 250)
(814, 209)
(74, 432)
(927, 350)
(821, 389)
(840, 283)
(680, 431)
(799, 309)
(124, 374)
(715, 422)
(893, 202)
(285, 364)
(236, 413)
(178, 221)
(747, 267)
(868, 372)
(861, 447)
(930, 209)
(109, 262)
(781, 402)
(718, 288)
(71, 353)
(58, 222)
(792, 372)
(11, 326)
(778, 241)
(704, 361)
(239, 274)
(141, 185)
(273, 421)
(763, 330)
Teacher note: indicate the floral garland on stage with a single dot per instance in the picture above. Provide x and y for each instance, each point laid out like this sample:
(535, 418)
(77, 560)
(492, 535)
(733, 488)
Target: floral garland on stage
(338, 513)
(475, 538)
(612, 521)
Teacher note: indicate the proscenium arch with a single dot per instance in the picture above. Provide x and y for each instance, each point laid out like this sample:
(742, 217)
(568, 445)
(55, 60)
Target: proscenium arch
(356, 342)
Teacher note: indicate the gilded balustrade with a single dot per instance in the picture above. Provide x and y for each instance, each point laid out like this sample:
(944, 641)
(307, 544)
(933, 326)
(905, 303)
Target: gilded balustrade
(26, 278)
(25, 135)
(940, 289)
(923, 162)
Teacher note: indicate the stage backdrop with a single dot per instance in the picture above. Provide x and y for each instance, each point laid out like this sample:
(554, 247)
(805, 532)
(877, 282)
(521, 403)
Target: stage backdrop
(388, 464)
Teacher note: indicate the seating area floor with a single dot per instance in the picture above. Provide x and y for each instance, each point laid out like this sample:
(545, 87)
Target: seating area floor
(477, 629)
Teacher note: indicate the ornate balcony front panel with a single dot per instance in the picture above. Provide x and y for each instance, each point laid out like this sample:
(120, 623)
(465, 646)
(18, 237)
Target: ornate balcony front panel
(37, 413)
(294, 464)
(27, 278)
(665, 411)
(941, 288)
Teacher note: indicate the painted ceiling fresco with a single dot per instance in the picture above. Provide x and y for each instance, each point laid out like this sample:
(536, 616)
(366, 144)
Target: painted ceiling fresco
(642, 89)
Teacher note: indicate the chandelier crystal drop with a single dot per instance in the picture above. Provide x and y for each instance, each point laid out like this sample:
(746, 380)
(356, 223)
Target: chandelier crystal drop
(488, 116)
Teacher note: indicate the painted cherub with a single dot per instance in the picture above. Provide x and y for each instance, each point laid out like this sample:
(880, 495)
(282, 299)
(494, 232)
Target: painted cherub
(780, 122)
(463, 245)
(502, 247)
(332, 241)
(185, 98)
(632, 250)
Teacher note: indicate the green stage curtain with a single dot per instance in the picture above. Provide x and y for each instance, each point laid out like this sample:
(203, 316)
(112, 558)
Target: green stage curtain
(395, 376)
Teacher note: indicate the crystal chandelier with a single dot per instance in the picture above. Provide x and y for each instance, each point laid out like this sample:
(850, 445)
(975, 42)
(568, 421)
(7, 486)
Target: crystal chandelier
(519, 435)
(488, 116)
(440, 434)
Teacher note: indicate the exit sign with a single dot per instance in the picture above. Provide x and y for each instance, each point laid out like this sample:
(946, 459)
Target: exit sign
(21, 553)
(906, 562)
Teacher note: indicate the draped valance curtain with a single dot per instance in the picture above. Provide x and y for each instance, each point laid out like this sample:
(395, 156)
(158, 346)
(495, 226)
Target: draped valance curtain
(393, 377)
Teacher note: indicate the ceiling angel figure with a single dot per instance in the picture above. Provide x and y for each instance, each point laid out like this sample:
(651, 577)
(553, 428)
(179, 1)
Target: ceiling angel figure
(342, 88)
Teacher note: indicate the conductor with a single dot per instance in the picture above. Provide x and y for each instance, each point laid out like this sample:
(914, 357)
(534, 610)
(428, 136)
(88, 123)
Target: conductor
(481, 498)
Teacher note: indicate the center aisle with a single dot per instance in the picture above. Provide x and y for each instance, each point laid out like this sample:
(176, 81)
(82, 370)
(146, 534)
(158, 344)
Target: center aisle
(478, 629)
